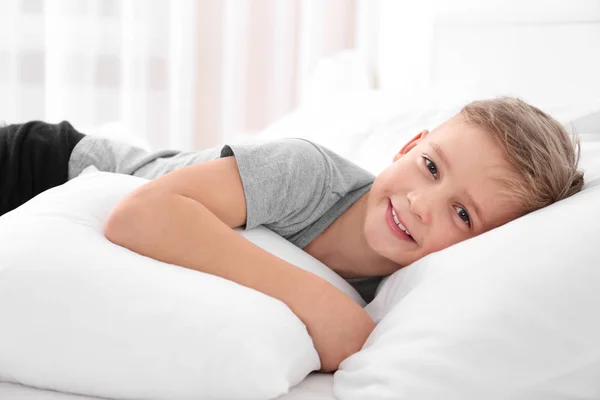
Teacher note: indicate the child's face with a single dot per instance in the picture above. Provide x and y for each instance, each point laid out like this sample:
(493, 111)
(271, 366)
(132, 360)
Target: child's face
(440, 200)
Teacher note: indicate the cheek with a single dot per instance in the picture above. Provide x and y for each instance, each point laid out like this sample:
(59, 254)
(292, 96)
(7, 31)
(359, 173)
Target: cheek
(383, 183)
(444, 236)
(395, 176)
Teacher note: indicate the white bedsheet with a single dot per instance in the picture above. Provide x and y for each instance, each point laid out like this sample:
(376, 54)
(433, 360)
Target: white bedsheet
(316, 386)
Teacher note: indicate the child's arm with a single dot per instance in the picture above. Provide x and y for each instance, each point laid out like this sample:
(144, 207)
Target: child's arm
(185, 218)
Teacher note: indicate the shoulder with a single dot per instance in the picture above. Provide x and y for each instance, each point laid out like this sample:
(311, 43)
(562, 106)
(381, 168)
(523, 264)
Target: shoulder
(289, 147)
(345, 174)
(279, 157)
(302, 159)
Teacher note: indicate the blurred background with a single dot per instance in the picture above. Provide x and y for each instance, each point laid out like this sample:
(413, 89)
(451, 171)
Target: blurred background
(190, 74)
(186, 73)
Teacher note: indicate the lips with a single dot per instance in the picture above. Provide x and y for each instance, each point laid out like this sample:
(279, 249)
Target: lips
(399, 233)
(398, 222)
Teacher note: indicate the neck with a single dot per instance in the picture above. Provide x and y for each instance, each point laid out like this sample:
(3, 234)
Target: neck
(344, 248)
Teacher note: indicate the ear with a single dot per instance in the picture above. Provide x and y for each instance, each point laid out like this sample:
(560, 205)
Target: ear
(411, 144)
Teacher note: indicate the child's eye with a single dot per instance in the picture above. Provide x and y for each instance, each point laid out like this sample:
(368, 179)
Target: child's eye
(431, 167)
(463, 215)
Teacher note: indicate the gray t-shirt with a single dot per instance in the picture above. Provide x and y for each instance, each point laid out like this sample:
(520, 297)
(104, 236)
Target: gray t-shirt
(294, 187)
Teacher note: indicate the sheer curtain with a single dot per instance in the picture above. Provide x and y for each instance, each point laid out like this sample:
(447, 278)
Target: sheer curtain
(179, 73)
(98, 61)
(257, 57)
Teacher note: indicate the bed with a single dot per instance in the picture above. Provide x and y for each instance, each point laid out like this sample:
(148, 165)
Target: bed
(317, 386)
(460, 50)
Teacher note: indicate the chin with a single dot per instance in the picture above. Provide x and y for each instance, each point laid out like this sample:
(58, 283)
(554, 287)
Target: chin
(380, 244)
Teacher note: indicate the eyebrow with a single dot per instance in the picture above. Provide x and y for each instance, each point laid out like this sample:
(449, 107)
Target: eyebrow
(441, 155)
(447, 164)
(475, 206)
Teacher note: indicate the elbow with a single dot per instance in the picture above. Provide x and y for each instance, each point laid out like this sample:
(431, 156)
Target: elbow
(125, 220)
(114, 226)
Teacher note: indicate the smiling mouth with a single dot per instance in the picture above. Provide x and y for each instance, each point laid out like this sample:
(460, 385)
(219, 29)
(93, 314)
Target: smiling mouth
(402, 227)
(397, 227)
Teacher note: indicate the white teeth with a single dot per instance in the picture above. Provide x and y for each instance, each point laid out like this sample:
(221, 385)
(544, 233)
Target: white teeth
(398, 222)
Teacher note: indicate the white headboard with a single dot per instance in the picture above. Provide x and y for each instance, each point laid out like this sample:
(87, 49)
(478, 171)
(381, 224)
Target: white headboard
(545, 51)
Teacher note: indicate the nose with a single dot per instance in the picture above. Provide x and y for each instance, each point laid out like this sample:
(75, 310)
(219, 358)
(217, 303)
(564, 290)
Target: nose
(420, 206)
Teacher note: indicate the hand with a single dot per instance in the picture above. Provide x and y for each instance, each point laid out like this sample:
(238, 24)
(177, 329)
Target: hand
(338, 326)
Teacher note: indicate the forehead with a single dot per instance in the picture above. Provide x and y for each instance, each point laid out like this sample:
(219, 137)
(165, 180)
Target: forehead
(475, 166)
(468, 144)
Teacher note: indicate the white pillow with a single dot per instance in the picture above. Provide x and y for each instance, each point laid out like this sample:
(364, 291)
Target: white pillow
(511, 314)
(81, 314)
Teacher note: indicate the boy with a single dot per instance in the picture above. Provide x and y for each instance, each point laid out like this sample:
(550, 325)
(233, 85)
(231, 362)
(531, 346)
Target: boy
(493, 162)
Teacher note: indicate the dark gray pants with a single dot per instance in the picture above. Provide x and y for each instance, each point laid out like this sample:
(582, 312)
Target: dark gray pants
(34, 157)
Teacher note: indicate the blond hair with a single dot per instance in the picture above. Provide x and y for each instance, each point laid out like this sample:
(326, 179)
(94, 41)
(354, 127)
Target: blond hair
(538, 147)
